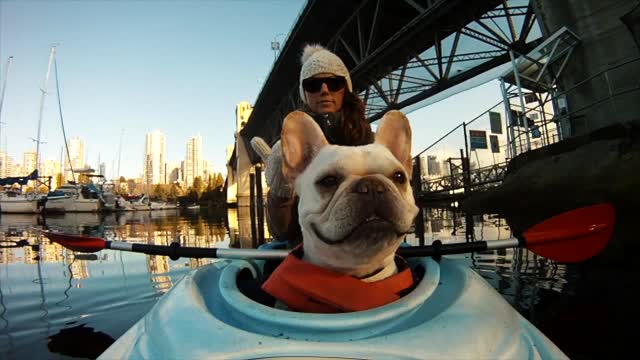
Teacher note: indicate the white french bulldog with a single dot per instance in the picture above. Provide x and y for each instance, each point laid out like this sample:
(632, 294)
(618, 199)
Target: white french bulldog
(356, 204)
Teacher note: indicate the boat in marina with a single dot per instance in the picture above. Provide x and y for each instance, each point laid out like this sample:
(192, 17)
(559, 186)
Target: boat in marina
(73, 197)
(452, 313)
(15, 201)
(143, 203)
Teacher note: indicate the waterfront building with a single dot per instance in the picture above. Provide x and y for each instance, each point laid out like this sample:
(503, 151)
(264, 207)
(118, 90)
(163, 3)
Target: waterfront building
(207, 170)
(173, 172)
(6, 164)
(29, 162)
(193, 162)
(75, 158)
(433, 166)
(154, 158)
(51, 168)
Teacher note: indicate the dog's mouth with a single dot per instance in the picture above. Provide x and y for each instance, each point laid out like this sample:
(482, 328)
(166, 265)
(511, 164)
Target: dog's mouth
(370, 226)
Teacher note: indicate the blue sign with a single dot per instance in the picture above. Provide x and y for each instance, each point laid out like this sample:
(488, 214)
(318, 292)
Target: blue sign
(478, 139)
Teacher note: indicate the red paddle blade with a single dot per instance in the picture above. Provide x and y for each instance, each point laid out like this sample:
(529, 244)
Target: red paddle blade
(77, 242)
(573, 236)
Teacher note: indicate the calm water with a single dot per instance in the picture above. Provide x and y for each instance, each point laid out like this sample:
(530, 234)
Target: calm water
(55, 303)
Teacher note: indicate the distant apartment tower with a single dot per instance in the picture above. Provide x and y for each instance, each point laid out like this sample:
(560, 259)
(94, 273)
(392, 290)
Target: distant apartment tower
(173, 172)
(51, 168)
(207, 170)
(29, 162)
(423, 166)
(193, 162)
(6, 164)
(154, 158)
(75, 159)
(433, 166)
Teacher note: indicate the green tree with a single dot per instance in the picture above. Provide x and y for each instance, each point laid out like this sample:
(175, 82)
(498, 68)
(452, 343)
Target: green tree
(198, 186)
(174, 192)
(160, 192)
(219, 181)
(59, 180)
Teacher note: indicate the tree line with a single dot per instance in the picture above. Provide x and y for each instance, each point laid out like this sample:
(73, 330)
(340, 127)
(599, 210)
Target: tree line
(210, 192)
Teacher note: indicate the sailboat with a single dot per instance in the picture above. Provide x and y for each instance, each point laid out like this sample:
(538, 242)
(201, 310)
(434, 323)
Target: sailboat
(15, 201)
(75, 197)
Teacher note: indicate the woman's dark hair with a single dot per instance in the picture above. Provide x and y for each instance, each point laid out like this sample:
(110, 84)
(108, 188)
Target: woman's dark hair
(354, 127)
(350, 127)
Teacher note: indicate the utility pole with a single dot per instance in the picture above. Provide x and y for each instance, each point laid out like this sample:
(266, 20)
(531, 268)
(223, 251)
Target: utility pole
(275, 46)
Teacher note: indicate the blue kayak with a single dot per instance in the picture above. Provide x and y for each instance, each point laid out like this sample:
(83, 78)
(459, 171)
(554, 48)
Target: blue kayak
(452, 313)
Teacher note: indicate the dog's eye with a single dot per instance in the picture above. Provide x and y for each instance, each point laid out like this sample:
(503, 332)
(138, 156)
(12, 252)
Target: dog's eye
(328, 181)
(399, 178)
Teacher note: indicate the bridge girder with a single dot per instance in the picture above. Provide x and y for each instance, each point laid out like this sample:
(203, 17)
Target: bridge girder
(399, 52)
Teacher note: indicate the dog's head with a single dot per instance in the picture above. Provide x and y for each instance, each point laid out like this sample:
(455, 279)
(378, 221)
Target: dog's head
(356, 204)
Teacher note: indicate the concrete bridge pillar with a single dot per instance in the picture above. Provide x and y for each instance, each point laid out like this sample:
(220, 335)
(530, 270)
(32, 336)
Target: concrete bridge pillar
(602, 70)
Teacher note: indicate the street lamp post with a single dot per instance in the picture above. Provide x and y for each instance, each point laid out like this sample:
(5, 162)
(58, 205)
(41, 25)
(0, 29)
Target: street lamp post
(275, 46)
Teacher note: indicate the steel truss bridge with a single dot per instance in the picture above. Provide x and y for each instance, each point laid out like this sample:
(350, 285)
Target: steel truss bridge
(399, 52)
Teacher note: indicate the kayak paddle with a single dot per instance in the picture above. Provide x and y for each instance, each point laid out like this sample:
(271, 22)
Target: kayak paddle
(572, 236)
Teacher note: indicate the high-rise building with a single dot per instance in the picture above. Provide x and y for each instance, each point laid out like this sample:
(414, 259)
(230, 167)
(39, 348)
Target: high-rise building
(207, 170)
(29, 162)
(173, 172)
(51, 168)
(154, 158)
(423, 166)
(433, 166)
(193, 162)
(6, 164)
(75, 159)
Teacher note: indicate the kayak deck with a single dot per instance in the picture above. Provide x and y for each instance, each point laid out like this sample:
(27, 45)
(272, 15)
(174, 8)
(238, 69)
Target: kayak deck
(452, 313)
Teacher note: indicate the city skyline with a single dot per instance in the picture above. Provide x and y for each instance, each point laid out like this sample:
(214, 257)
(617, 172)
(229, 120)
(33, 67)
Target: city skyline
(125, 74)
(135, 66)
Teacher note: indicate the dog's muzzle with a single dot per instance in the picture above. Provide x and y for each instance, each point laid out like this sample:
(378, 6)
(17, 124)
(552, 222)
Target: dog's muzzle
(373, 202)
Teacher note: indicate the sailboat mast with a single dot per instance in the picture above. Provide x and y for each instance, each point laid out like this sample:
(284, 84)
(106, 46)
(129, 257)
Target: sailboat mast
(44, 93)
(4, 88)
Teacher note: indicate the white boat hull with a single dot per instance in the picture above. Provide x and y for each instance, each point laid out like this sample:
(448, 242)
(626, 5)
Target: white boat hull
(68, 204)
(19, 206)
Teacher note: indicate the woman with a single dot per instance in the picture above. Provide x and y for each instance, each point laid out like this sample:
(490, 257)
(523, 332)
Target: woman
(327, 94)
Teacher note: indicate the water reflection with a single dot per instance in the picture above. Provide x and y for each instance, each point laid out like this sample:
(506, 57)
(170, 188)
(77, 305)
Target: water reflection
(48, 293)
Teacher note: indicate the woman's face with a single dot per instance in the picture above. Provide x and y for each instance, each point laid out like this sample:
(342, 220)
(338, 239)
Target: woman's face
(323, 100)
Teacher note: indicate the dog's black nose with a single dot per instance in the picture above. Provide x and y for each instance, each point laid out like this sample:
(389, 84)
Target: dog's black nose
(370, 186)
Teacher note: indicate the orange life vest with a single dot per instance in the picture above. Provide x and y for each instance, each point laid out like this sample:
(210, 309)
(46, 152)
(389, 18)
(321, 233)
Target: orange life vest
(309, 288)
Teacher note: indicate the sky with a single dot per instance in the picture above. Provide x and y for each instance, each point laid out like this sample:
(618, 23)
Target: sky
(132, 67)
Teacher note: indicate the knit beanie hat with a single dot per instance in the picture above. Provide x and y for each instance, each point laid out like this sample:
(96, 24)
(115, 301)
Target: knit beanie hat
(315, 60)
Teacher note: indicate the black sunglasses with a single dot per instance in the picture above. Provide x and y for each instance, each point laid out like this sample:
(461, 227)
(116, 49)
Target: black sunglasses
(314, 85)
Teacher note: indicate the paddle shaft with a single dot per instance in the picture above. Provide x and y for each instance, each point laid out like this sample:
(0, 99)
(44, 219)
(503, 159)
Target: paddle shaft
(175, 251)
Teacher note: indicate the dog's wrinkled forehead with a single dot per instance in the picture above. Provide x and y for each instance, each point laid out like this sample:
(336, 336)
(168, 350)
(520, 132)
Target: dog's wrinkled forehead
(358, 161)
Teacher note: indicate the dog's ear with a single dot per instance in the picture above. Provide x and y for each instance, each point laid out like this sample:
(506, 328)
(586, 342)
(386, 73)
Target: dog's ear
(302, 138)
(394, 132)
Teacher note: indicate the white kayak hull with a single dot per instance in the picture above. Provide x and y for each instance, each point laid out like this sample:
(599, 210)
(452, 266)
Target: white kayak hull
(453, 313)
